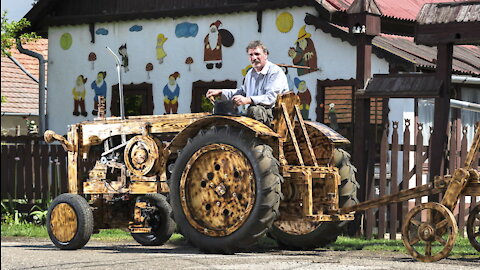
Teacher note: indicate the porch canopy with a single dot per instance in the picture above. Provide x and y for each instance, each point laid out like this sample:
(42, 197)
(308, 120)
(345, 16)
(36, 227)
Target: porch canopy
(403, 86)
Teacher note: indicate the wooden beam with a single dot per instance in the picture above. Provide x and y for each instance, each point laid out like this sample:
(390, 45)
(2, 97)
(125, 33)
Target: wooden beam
(292, 134)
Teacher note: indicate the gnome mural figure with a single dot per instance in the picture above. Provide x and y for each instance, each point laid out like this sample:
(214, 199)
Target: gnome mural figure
(289, 79)
(305, 97)
(213, 46)
(122, 50)
(304, 53)
(213, 42)
(78, 92)
(171, 91)
(161, 39)
(100, 88)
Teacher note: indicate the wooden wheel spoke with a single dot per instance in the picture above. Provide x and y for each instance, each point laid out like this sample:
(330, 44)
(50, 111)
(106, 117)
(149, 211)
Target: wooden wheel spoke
(414, 240)
(428, 248)
(441, 224)
(441, 240)
(415, 222)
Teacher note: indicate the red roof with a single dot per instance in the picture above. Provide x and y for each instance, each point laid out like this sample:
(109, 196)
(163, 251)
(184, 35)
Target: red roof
(21, 91)
(404, 9)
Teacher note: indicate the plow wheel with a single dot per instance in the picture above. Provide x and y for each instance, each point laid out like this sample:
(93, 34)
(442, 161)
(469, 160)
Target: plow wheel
(473, 227)
(304, 234)
(69, 221)
(158, 218)
(429, 232)
(225, 190)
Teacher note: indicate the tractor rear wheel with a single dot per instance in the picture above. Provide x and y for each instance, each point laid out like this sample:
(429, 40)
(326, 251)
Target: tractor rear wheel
(69, 221)
(162, 224)
(225, 190)
(303, 234)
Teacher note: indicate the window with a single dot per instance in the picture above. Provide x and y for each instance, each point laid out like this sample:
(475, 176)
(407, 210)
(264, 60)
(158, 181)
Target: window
(138, 99)
(199, 88)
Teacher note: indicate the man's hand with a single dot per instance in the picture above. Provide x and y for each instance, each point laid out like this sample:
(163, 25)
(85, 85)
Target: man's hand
(241, 100)
(213, 92)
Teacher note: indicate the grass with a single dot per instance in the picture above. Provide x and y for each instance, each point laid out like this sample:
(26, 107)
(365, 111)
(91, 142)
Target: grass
(462, 248)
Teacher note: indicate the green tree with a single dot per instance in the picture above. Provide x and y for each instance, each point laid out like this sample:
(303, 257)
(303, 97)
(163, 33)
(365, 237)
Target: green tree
(12, 30)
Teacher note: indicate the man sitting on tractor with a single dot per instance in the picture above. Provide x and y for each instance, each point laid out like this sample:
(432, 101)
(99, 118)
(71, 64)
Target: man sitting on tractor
(261, 86)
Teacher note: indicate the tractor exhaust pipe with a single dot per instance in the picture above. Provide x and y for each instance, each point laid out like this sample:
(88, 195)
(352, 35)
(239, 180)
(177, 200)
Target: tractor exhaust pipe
(120, 85)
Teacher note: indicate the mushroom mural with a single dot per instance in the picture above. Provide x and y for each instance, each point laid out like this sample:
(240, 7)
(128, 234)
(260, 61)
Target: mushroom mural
(92, 57)
(148, 68)
(189, 62)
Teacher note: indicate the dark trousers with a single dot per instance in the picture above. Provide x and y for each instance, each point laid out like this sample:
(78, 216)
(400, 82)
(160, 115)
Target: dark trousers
(261, 114)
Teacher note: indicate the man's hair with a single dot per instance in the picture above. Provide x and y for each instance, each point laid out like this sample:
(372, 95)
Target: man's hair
(257, 43)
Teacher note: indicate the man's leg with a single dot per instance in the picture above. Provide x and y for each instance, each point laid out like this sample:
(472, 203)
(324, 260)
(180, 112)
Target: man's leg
(260, 113)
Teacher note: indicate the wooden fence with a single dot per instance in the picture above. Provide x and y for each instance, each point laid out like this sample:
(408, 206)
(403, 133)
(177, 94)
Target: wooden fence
(32, 170)
(404, 166)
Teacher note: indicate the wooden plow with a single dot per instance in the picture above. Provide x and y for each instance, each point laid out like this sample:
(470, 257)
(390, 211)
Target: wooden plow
(429, 230)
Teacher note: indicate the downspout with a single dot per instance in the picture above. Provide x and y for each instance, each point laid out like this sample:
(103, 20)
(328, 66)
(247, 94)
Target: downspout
(41, 85)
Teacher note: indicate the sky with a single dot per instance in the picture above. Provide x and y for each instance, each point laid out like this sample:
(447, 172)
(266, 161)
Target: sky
(16, 9)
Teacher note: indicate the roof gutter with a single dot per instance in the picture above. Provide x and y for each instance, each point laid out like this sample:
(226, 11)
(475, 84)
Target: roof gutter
(18, 114)
(465, 79)
(20, 66)
(41, 85)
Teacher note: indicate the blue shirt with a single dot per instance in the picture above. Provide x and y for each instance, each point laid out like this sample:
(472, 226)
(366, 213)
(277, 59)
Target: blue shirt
(262, 87)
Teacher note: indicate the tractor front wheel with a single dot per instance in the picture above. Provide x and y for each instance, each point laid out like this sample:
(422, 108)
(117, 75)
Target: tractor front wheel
(158, 219)
(69, 221)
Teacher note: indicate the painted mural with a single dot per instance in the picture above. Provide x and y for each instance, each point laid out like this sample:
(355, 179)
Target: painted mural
(186, 30)
(304, 53)
(284, 22)
(92, 57)
(122, 50)
(171, 92)
(189, 62)
(101, 31)
(78, 93)
(187, 45)
(291, 85)
(99, 86)
(148, 68)
(66, 41)
(213, 43)
(136, 28)
(161, 39)
(304, 95)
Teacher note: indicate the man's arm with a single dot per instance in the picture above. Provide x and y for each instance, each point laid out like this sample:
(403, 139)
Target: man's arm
(226, 93)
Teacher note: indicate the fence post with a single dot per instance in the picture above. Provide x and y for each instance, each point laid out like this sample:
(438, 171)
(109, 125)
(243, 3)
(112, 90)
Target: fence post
(394, 181)
(406, 164)
(382, 211)
(419, 159)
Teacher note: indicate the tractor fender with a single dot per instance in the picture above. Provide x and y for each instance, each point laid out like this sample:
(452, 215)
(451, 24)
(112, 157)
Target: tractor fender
(322, 138)
(334, 137)
(260, 129)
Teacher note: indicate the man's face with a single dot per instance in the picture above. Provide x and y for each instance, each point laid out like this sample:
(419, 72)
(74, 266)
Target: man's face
(258, 58)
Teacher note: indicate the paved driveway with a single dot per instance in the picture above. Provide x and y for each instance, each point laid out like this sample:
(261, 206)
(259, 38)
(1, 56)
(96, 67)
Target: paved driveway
(28, 253)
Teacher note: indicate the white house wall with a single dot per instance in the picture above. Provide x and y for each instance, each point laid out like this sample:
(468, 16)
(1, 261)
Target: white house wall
(335, 58)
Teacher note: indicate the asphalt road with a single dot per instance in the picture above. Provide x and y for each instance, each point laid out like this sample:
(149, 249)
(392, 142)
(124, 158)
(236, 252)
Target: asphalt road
(29, 253)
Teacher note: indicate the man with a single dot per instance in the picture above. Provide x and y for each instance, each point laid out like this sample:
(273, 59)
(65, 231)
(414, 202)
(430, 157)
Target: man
(261, 86)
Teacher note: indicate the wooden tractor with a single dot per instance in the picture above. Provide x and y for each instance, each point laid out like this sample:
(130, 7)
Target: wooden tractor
(225, 181)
